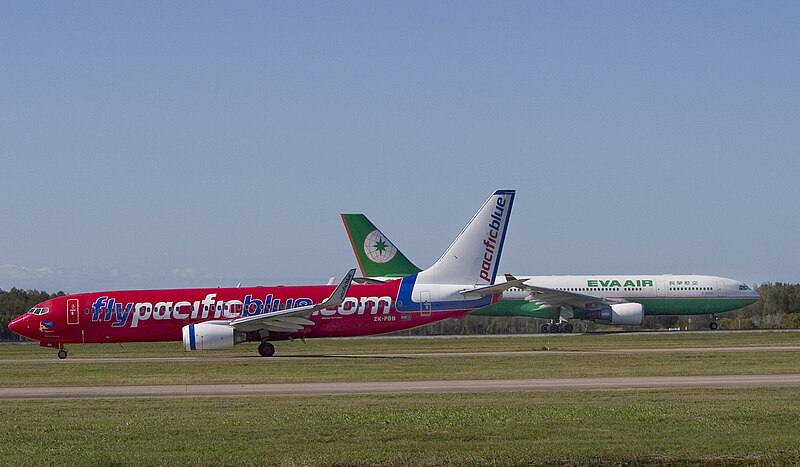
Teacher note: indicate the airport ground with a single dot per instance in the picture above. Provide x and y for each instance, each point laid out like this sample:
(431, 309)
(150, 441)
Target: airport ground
(740, 422)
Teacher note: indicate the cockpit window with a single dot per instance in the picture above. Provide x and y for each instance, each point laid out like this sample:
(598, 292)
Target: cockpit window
(744, 287)
(39, 310)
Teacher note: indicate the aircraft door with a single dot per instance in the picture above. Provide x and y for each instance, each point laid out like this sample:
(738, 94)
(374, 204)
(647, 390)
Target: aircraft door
(721, 289)
(661, 289)
(72, 311)
(425, 302)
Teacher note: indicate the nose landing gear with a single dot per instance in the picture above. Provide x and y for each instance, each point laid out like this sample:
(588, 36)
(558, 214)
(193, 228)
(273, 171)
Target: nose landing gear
(62, 352)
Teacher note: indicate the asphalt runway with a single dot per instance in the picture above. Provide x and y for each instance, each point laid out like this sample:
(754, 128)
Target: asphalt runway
(403, 387)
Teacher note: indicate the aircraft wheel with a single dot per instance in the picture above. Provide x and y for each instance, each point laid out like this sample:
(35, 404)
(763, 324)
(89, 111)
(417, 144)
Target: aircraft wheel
(266, 349)
(568, 328)
(62, 354)
(555, 328)
(713, 325)
(544, 328)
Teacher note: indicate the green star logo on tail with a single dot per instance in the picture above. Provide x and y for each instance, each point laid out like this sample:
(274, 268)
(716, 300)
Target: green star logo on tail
(378, 248)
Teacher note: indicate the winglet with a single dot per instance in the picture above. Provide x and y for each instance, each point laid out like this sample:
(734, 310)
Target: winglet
(338, 295)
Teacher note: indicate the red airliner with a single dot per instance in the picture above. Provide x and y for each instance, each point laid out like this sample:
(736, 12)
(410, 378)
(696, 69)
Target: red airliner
(218, 318)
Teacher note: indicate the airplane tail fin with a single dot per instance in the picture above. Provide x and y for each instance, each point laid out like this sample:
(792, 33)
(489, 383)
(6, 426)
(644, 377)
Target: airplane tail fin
(376, 254)
(474, 255)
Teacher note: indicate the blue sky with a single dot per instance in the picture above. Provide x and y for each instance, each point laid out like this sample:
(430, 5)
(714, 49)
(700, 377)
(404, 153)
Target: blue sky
(172, 144)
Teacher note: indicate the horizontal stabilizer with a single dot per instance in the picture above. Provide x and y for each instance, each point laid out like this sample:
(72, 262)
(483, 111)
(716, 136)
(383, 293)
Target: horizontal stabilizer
(492, 289)
(368, 280)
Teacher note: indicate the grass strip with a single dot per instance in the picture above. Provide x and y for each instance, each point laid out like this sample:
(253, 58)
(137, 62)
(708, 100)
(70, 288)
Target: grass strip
(703, 426)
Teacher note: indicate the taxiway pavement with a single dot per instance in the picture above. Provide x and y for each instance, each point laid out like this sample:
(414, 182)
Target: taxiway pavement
(403, 387)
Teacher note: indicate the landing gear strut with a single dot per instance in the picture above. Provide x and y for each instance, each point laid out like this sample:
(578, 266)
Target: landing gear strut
(266, 349)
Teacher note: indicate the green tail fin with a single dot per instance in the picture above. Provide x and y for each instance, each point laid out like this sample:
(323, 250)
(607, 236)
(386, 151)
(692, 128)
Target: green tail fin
(376, 255)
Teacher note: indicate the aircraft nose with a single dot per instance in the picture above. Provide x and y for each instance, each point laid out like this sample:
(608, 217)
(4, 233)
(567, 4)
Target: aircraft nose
(19, 325)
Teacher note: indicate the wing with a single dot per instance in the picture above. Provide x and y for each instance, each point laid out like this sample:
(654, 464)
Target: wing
(551, 298)
(293, 319)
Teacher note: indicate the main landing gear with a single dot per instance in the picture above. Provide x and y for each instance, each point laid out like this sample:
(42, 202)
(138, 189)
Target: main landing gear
(556, 327)
(713, 326)
(266, 349)
(62, 353)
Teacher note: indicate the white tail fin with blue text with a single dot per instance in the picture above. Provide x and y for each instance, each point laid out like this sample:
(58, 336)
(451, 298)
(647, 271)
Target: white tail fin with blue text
(474, 255)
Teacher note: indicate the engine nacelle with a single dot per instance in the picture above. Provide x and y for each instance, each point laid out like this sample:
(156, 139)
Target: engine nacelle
(624, 314)
(210, 336)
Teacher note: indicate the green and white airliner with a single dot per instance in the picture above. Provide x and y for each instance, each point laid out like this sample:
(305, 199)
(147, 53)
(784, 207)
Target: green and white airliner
(610, 299)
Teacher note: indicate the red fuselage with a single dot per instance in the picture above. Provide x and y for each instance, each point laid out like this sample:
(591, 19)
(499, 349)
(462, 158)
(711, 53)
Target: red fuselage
(160, 315)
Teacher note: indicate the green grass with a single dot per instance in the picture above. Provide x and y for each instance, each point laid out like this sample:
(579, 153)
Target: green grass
(256, 370)
(713, 427)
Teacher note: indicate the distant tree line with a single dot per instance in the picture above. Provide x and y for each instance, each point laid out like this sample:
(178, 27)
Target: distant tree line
(778, 308)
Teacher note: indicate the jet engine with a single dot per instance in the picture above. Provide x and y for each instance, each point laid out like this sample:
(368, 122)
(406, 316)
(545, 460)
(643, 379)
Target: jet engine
(210, 336)
(626, 314)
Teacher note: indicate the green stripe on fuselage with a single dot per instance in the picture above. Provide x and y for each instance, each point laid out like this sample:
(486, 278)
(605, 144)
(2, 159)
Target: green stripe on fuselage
(693, 306)
(652, 307)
